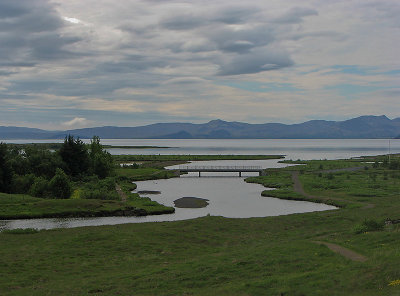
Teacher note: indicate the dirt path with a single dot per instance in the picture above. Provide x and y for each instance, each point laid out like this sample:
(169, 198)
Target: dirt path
(121, 193)
(349, 254)
(297, 186)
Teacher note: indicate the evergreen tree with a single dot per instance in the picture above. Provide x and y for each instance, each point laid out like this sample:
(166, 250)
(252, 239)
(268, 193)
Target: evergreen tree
(101, 160)
(75, 156)
(5, 169)
(60, 186)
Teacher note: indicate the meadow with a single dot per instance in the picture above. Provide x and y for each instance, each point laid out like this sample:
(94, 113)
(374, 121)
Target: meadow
(219, 256)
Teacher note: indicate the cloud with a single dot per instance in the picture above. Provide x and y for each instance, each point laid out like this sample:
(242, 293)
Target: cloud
(76, 122)
(184, 80)
(32, 31)
(255, 62)
(165, 59)
(296, 15)
(72, 20)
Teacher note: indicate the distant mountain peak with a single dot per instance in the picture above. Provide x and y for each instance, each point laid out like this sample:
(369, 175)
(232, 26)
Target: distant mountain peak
(216, 121)
(363, 127)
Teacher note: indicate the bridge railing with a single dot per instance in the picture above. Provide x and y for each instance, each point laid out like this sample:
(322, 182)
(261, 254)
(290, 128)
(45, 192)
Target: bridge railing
(220, 167)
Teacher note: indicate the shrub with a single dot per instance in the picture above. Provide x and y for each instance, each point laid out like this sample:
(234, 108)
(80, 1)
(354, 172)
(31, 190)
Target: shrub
(99, 189)
(60, 186)
(40, 187)
(22, 183)
(368, 225)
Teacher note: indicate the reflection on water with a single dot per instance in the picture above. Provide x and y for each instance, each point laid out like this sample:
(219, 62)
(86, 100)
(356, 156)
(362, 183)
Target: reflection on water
(228, 196)
(292, 148)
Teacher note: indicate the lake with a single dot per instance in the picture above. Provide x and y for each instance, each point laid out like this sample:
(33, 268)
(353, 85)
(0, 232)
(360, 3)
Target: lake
(292, 148)
(228, 195)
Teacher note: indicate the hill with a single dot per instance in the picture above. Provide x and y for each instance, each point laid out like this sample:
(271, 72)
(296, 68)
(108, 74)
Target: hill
(363, 127)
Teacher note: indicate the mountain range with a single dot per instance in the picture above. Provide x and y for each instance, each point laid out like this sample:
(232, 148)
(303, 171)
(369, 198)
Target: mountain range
(363, 127)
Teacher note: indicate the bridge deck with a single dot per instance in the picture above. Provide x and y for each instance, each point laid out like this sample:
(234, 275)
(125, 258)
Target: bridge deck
(220, 168)
(237, 169)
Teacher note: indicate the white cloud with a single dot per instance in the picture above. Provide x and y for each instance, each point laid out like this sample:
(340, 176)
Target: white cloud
(72, 20)
(164, 59)
(76, 122)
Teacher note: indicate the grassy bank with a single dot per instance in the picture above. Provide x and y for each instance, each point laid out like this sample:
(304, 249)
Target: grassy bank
(91, 198)
(220, 256)
(25, 207)
(206, 256)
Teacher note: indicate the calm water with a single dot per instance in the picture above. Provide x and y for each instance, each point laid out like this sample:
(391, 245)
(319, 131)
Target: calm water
(292, 148)
(229, 196)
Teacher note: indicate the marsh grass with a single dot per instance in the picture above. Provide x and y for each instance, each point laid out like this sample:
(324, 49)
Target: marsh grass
(220, 256)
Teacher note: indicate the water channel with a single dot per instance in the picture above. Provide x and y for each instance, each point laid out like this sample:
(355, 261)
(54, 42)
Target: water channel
(228, 195)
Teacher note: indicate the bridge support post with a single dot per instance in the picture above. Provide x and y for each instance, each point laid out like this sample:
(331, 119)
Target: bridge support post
(240, 174)
(199, 174)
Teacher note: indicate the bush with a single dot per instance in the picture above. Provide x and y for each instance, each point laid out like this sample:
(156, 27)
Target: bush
(40, 188)
(60, 186)
(22, 183)
(99, 189)
(368, 225)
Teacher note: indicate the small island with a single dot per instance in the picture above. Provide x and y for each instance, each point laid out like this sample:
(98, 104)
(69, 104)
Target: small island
(191, 202)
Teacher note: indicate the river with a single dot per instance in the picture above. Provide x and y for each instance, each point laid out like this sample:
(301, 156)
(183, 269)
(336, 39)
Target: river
(228, 195)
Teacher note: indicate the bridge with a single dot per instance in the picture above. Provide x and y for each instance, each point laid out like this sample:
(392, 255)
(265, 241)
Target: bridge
(237, 169)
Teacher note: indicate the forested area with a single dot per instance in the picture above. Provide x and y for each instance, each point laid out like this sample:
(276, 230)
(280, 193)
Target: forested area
(75, 169)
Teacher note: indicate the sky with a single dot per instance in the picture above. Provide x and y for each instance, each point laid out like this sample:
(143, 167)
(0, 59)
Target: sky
(71, 63)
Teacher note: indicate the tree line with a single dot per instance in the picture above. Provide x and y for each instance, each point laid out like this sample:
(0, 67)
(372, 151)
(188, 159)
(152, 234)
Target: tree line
(43, 173)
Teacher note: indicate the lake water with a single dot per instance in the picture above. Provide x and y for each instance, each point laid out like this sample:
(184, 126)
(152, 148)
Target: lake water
(292, 148)
(228, 195)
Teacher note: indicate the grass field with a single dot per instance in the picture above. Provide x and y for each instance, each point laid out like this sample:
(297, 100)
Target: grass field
(220, 256)
(22, 207)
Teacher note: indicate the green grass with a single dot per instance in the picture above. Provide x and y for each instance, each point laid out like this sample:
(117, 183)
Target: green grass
(220, 256)
(42, 208)
(16, 198)
(206, 256)
(372, 185)
(144, 173)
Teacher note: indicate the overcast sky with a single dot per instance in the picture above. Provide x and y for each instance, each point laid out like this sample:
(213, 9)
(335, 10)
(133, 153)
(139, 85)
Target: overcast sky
(73, 63)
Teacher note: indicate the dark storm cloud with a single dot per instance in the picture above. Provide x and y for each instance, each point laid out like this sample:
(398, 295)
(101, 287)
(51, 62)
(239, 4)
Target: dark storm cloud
(255, 63)
(17, 64)
(51, 46)
(29, 30)
(12, 8)
(6, 73)
(182, 22)
(191, 20)
(241, 41)
(131, 64)
(234, 15)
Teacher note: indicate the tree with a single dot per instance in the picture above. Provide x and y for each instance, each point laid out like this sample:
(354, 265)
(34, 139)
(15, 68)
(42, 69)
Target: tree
(59, 185)
(5, 169)
(42, 162)
(101, 160)
(75, 156)
(40, 187)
